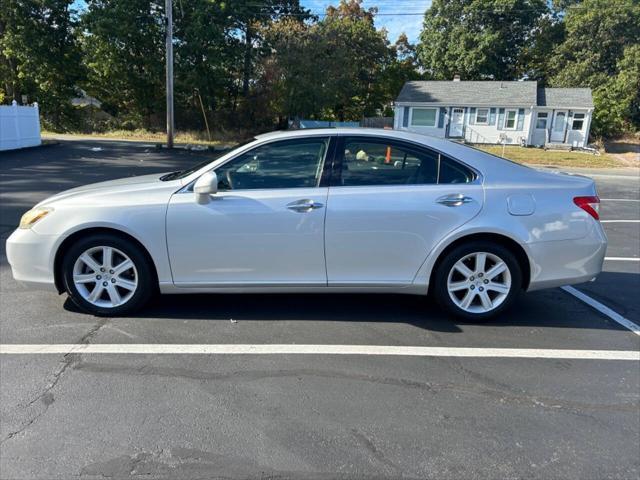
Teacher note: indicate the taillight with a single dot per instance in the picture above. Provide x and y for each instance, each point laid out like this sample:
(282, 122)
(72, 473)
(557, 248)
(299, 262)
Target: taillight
(591, 205)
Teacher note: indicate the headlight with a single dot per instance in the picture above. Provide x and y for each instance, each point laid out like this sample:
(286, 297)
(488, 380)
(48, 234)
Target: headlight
(33, 216)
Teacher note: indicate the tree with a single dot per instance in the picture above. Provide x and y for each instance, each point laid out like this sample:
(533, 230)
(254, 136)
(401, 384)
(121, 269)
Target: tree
(478, 39)
(249, 18)
(402, 68)
(333, 69)
(353, 54)
(123, 47)
(206, 54)
(291, 81)
(39, 56)
(534, 58)
(600, 51)
(617, 100)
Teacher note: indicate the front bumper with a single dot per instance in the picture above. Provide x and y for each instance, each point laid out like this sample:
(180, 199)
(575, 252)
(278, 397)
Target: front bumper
(566, 262)
(31, 258)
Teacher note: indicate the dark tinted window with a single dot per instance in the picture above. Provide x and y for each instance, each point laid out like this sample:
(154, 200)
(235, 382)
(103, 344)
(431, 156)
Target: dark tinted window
(285, 164)
(368, 162)
(382, 162)
(453, 172)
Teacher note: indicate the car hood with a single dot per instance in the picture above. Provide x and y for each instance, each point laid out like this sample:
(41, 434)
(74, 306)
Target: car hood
(121, 185)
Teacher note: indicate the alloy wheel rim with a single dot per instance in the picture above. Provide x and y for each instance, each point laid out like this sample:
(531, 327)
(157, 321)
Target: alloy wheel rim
(105, 276)
(479, 282)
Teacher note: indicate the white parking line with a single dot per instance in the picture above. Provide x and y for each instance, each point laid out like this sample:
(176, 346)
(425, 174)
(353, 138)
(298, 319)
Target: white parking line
(619, 221)
(616, 317)
(273, 349)
(622, 259)
(619, 200)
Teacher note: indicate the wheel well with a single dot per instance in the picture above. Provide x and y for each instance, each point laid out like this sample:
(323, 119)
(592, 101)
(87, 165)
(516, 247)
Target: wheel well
(513, 246)
(71, 239)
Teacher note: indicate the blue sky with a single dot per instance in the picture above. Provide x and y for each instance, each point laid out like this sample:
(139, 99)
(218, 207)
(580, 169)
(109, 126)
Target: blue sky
(395, 24)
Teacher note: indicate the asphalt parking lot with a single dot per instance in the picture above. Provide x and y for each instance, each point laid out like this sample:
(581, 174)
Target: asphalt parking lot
(314, 415)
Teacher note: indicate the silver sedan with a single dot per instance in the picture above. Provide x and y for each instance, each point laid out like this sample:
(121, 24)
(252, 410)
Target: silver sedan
(337, 210)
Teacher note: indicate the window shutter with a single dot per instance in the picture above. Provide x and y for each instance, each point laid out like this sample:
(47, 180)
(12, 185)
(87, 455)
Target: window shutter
(501, 119)
(520, 118)
(405, 117)
(472, 116)
(492, 117)
(441, 118)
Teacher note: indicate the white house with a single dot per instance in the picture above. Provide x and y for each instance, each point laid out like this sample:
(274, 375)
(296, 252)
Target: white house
(496, 112)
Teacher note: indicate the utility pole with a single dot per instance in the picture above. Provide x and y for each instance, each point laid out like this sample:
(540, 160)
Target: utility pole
(168, 7)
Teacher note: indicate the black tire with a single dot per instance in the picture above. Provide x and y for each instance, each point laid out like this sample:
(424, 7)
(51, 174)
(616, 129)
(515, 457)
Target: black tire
(143, 271)
(445, 266)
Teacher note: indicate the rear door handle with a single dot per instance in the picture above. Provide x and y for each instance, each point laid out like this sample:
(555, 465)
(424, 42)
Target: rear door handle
(305, 205)
(454, 200)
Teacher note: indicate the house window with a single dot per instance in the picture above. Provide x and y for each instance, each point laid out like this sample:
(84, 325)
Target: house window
(541, 122)
(578, 121)
(510, 121)
(482, 116)
(423, 117)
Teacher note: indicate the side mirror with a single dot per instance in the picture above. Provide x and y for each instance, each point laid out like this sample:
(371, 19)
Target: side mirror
(206, 186)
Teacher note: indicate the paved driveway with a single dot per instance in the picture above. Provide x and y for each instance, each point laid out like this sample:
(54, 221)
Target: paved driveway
(322, 414)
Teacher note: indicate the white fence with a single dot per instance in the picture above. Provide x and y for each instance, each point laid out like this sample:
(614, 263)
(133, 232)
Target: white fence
(19, 126)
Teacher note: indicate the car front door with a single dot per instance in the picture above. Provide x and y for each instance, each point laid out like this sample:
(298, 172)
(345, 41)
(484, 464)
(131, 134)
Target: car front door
(264, 226)
(389, 204)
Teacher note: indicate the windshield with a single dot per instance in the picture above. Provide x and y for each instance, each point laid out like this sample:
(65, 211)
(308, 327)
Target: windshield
(177, 175)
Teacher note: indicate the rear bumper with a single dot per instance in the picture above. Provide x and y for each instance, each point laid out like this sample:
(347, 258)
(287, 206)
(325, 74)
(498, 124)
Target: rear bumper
(31, 258)
(567, 262)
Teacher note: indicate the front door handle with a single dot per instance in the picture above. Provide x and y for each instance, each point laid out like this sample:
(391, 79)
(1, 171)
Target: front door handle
(303, 206)
(454, 200)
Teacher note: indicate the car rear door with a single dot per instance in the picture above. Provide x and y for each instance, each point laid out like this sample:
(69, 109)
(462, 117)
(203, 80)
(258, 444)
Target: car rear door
(389, 204)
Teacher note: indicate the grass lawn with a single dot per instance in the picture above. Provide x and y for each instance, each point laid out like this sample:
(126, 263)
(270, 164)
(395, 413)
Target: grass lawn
(193, 138)
(538, 156)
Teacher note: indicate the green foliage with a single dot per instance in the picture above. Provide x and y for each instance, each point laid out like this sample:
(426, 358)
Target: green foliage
(534, 58)
(254, 65)
(478, 39)
(601, 51)
(617, 100)
(332, 69)
(39, 57)
(123, 49)
(353, 54)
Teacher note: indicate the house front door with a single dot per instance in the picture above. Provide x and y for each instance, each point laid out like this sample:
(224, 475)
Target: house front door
(457, 122)
(559, 126)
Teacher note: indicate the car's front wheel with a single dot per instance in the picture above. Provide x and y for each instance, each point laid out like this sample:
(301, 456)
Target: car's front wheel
(477, 280)
(107, 275)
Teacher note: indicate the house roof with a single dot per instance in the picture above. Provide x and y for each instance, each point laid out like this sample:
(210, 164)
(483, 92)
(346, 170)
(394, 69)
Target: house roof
(493, 93)
(488, 93)
(565, 97)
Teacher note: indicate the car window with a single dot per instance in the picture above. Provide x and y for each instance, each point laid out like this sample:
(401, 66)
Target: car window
(383, 162)
(285, 164)
(453, 172)
(369, 162)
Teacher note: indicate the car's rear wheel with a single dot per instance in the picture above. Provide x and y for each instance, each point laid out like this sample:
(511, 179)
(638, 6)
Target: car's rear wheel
(107, 275)
(477, 280)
